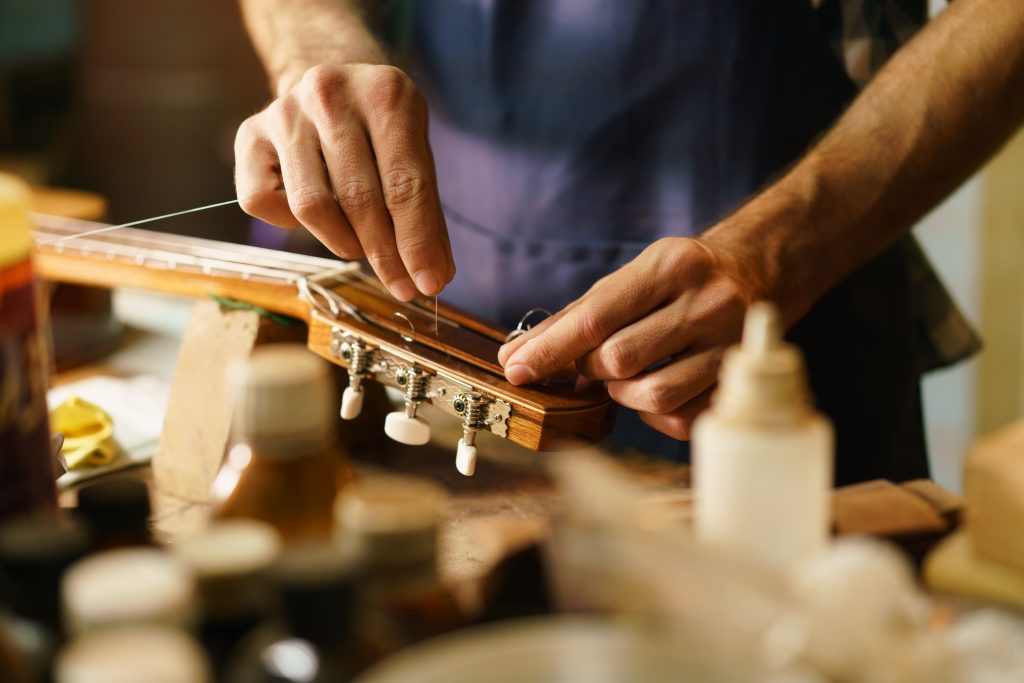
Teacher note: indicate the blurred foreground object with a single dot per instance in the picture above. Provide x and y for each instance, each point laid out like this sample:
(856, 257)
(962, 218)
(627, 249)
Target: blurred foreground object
(762, 456)
(26, 467)
(284, 468)
(143, 654)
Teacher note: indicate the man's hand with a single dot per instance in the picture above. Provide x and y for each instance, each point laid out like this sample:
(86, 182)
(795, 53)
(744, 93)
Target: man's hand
(654, 331)
(344, 153)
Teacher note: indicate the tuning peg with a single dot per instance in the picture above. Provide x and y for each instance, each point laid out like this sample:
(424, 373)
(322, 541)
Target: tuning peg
(404, 426)
(356, 356)
(412, 431)
(351, 402)
(472, 406)
(465, 457)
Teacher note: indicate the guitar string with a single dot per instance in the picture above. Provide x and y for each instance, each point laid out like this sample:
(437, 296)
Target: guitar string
(151, 219)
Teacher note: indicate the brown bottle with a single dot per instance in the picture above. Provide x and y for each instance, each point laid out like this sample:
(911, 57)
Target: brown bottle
(284, 468)
(388, 526)
(26, 465)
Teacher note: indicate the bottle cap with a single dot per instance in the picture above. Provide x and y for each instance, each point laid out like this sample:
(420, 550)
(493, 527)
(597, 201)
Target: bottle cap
(231, 560)
(284, 401)
(138, 654)
(136, 585)
(762, 379)
(15, 227)
(390, 519)
(118, 508)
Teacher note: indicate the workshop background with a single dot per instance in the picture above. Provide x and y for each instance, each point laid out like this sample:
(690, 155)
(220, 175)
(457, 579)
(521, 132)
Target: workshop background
(140, 101)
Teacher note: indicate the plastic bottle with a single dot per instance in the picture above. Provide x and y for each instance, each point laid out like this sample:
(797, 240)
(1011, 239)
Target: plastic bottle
(284, 468)
(140, 654)
(26, 464)
(762, 455)
(126, 587)
(231, 561)
(388, 526)
(314, 640)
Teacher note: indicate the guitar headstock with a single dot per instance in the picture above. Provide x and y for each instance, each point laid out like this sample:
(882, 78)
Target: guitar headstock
(436, 354)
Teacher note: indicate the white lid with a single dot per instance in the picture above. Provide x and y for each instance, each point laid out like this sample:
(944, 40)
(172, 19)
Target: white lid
(136, 585)
(763, 378)
(229, 548)
(138, 654)
(284, 401)
(390, 518)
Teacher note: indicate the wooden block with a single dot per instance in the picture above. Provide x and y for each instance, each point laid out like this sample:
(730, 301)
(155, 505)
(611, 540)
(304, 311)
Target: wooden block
(881, 508)
(198, 420)
(994, 487)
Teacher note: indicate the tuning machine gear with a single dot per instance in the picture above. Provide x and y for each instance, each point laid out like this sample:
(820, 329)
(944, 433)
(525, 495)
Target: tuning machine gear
(472, 406)
(356, 356)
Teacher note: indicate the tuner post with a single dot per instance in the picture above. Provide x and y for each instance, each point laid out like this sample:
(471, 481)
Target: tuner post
(356, 356)
(405, 427)
(472, 406)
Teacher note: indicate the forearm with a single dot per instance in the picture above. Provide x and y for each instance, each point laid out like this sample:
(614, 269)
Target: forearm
(941, 107)
(293, 35)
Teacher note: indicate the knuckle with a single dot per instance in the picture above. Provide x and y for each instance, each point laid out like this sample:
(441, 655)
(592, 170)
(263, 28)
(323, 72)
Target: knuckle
(357, 195)
(403, 188)
(619, 361)
(385, 263)
(658, 398)
(591, 328)
(308, 204)
(387, 89)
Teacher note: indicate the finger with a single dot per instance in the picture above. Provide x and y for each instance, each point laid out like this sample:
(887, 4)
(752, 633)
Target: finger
(396, 118)
(666, 389)
(310, 197)
(637, 347)
(679, 423)
(510, 347)
(357, 187)
(258, 182)
(601, 312)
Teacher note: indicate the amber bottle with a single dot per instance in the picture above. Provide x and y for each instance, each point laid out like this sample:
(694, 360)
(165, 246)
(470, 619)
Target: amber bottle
(285, 467)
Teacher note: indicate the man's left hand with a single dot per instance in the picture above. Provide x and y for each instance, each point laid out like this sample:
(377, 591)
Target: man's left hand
(655, 331)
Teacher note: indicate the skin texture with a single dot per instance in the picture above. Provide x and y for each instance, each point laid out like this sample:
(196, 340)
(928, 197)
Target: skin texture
(941, 106)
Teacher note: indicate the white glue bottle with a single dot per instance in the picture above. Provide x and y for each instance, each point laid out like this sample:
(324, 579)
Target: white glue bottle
(762, 455)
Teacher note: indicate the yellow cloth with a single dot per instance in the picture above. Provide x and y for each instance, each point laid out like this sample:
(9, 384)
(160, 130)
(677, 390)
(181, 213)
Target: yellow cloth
(88, 432)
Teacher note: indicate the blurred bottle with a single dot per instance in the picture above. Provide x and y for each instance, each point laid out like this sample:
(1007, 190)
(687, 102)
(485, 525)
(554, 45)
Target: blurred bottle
(762, 455)
(388, 526)
(125, 587)
(285, 467)
(34, 552)
(26, 464)
(314, 641)
(117, 512)
(231, 561)
(137, 654)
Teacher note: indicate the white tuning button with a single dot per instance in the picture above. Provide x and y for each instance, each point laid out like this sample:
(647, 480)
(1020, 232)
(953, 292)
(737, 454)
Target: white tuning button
(412, 431)
(351, 403)
(465, 458)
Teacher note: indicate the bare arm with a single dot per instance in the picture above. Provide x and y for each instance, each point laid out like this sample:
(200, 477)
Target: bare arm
(942, 106)
(343, 150)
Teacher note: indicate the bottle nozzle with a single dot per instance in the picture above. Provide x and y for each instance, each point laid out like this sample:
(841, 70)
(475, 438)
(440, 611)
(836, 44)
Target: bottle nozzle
(762, 330)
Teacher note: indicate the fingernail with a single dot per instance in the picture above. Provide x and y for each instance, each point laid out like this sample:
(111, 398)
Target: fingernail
(519, 374)
(427, 282)
(402, 290)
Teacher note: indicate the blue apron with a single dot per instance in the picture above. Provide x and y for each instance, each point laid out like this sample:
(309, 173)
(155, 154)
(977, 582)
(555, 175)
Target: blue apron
(569, 135)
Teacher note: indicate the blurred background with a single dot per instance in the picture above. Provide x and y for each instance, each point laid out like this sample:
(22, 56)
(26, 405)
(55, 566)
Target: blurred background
(140, 101)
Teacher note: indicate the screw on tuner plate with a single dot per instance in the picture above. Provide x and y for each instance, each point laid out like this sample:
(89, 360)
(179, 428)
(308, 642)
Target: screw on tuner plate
(404, 426)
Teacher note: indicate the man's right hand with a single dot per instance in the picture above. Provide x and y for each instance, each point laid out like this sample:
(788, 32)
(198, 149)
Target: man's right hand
(344, 153)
